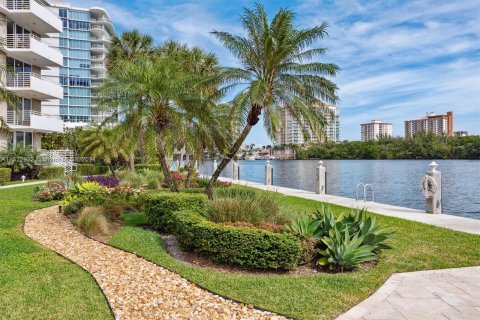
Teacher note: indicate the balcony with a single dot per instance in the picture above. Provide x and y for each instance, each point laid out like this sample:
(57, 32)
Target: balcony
(34, 121)
(101, 39)
(98, 48)
(30, 49)
(33, 15)
(33, 86)
(98, 66)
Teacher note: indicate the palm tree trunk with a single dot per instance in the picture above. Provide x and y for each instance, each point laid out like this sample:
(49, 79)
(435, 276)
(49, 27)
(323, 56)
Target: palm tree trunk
(112, 170)
(233, 151)
(162, 159)
(191, 170)
(132, 161)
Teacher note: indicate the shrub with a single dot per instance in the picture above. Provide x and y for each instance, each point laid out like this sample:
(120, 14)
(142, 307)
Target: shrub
(51, 173)
(156, 206)
(235, 193)
(132, 180)
(19, 158)
(105, 181)
(91, 192)
(92, 221)
(202, 183)
(53, 190)
(243, 205)
(140, 167)
(153, 178)
(86, 169)
(74, 206)
(244, 247)
(344, 242)
(5, 175)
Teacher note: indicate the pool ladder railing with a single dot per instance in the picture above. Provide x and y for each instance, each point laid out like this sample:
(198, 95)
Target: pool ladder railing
(365, 189)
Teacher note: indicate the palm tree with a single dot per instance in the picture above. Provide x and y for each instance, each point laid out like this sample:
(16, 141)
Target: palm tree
(274, 74)
(130, 46)
(98, 142)
(156, 95)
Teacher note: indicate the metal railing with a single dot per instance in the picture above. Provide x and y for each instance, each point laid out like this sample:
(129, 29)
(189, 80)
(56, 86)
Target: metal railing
(24, 79)
(96, 27)
(23, 41)
(98, 46)
(98, 65)
(100, 57)
(23, 4)
(23, 117)
(365, 189)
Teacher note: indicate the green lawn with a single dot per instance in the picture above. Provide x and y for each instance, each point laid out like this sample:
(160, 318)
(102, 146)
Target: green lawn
(323, 296)
(36, 283)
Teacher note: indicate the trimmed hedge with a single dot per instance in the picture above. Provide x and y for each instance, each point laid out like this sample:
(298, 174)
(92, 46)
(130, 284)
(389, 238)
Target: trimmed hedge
(139, 167)
(5, 175)
(86, 169)
(244, 247)
(47, 173)
(157, 205)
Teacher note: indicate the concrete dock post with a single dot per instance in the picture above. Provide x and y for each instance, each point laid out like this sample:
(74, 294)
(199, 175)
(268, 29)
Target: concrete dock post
(321, 176)
(431, 187)
(235, 170)
(215, 165)
(268, 174)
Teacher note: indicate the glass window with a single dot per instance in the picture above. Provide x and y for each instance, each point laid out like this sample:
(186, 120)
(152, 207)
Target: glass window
(63, 13)
(19, 138)
(28, 139)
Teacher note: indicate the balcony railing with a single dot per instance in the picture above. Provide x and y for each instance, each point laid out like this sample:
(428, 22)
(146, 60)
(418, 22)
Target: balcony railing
(101, 57)
(98, 46)
(23, 41)
(24, 79)
(98, 65)
(22, 4)
(23, 117)
(96, 27)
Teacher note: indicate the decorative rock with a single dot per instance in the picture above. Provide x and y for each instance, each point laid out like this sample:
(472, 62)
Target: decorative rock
(134, 288)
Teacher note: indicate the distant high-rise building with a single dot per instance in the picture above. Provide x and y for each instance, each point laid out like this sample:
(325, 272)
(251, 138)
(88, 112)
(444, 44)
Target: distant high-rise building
(84, 43)
(376, 129)
(460, 133)
(291, 130)
(24, 26)
(438, 124)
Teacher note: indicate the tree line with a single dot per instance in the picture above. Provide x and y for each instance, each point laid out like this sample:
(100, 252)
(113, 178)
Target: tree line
(420, 146)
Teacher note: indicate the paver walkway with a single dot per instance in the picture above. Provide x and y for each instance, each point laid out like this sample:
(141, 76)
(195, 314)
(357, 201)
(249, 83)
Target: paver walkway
(23, 184)
(135, 288)
(437, 294)
(439, 220)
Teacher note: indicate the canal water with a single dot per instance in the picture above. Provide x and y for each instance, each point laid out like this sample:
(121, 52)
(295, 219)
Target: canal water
(395, 182)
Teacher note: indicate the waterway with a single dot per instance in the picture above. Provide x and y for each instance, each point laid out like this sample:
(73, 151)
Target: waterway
(395, 182)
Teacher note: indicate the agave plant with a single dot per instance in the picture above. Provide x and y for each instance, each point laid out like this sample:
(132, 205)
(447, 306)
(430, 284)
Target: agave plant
(305, 225)
(343, 251)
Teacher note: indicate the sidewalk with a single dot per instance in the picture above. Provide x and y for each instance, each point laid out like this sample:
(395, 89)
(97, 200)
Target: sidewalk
(437, 294)
(440, 220)
(23, 184)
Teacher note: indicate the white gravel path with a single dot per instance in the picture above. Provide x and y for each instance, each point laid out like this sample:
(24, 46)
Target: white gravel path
(135, 288)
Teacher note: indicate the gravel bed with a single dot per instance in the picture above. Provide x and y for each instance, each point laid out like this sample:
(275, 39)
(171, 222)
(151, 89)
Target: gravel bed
(135, 288)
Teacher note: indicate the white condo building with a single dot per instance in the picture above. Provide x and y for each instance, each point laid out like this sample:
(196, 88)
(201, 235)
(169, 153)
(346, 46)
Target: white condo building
(26, 24)
(375, 130)
(84, 41)
(291, 130)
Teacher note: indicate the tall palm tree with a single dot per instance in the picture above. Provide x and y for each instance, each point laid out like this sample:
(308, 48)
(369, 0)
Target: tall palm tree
(98, 142)
(157, 94)
(274, 74)
(129, 46)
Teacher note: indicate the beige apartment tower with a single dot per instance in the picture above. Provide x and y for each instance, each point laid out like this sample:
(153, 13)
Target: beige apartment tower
(438, 124)
(375, 130)
(24, 25)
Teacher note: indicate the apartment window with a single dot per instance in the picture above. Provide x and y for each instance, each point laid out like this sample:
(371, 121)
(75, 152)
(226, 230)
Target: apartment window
(80, 15)
(80, 25)
(63, 13)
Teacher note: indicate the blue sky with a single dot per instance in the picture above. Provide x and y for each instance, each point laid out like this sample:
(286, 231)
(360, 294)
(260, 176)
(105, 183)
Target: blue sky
(399, 59)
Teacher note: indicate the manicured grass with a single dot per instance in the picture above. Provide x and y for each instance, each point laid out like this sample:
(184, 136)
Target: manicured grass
(36, 283)
(321, 296)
